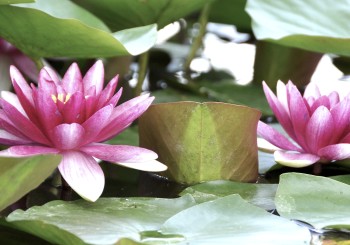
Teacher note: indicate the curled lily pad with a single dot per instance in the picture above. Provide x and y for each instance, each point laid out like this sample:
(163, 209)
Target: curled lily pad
(202, 141)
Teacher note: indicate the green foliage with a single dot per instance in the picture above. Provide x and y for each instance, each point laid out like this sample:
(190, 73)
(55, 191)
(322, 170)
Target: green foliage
(18, 176)
(307, 25)
(48, 29)
(124, 14)
(207, 141)
(7, 2)
(319, 201)
(227, 220)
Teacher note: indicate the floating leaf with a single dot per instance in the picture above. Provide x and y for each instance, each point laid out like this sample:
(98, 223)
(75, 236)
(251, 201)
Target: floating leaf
(103, 222)
(202, 141)
(228, 220)
(261, 195)
(123, 14)
(18, 176)
(319, 201)
(231, 220)
(288, 23)
(51, 28)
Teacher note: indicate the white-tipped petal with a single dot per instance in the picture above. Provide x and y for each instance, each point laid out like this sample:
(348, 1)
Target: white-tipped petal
(149, 166)
(295, 159)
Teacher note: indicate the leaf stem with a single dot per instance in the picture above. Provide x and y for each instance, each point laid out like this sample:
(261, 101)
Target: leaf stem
(143, 63)
(197, 43)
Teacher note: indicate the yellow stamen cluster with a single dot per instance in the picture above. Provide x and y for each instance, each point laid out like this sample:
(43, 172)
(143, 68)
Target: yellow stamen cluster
(61, 97)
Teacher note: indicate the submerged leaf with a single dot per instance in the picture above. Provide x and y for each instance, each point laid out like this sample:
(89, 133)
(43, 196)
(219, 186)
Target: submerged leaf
(18, 176)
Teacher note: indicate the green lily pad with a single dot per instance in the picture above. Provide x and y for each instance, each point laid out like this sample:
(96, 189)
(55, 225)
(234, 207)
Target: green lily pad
(18, 176)
(103, 222)
(63, 29)
(227, 220)
(319, 201)
(202, 141)
(231, 220)
(288, 23)
(123, 14)
(261, 195)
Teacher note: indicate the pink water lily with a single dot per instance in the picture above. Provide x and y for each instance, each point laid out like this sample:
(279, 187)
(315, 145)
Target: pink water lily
(71, 117)
(318, 126)
(10, 55)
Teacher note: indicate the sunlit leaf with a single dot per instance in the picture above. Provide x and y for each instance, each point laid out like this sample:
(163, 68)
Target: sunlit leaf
(103, 222)
(48, 29)
(261, 195)
(231, 220)
(123, 14)
(202, 141)
(227, 220)
(319, 201)
(303, 24)
(18, 176)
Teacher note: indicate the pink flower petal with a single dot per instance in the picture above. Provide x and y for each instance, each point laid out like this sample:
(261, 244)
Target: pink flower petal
(119, 153)
(108, 92)
(73, 110)
(295, 159)
(281, 114)
(72, 81)
(6, 124)
(274, 137)
(264, 145)
(282, 95)
(312, 90)
(340, 114)
(333, 98)
(96, 123)
(21, 85)
(51, 75)
(23, 124)
(83, 174)
(335, 152)
(47, 111)
(123, 115)
(27, 150)
(46, 83)
(68, 136)
(320, 129)
(149, 166)
(299, 114)
(13, 100)
(321, 101)
(7, 138)
(114, 100)
(94, 77)
(345, 139)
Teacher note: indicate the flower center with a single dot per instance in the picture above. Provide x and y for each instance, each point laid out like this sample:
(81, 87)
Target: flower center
(61, 97)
